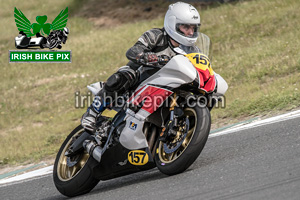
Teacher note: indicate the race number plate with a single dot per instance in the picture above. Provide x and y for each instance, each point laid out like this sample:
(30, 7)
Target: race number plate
(138, 157)
(200, 61)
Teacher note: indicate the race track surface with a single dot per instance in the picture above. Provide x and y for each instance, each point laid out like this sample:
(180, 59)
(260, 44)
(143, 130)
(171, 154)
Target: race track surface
(258, 163)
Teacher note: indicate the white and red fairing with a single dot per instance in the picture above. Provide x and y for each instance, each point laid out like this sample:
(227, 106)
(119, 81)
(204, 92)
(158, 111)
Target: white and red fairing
(178, 71)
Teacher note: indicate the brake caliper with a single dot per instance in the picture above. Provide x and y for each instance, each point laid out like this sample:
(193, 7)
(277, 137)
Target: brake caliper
(172, 143)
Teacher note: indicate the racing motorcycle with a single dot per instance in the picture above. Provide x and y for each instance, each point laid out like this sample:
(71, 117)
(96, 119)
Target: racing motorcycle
(165, 123)
(56, 38)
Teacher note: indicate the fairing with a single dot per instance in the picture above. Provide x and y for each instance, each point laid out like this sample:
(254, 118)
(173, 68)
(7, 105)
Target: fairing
(207, 81)
(178, 71)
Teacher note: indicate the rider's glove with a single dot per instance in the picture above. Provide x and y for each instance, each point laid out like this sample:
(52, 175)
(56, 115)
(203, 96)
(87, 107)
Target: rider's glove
(147, 58)
(150, 57)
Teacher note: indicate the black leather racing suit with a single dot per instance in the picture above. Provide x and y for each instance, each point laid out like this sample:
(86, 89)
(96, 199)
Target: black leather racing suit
(155, 40)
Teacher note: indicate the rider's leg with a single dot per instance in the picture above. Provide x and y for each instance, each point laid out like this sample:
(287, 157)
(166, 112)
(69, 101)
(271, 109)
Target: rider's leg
(88, 120)
(118, 83)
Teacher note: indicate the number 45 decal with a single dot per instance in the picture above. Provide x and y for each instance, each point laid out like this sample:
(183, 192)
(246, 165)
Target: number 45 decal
(138, 157)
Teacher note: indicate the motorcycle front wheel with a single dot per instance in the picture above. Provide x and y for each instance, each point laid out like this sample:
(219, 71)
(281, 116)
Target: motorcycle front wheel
(73, 176)
(185, 152)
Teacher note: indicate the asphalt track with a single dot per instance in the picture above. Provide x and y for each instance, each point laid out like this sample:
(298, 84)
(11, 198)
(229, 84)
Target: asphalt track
(257, 163)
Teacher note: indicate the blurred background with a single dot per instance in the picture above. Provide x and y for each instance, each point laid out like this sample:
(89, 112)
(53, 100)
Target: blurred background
(255, 48)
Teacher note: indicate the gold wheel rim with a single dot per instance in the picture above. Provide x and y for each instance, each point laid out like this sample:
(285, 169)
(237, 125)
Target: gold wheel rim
(168, 158)
(65, 172)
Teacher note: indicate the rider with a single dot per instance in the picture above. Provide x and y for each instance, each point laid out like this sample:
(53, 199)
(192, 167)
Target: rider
(181, 26)
(56, 37)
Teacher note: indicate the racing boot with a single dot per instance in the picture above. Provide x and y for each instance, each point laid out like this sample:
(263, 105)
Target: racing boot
(89, 118)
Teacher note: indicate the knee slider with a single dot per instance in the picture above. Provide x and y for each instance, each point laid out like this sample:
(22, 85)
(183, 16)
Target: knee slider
(129, 74)
(121, 81)
(114, 82)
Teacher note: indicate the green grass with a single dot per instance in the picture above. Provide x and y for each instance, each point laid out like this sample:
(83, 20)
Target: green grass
(256, 49)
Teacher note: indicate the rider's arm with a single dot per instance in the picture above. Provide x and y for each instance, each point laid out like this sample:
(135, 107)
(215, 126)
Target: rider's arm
(146, 43)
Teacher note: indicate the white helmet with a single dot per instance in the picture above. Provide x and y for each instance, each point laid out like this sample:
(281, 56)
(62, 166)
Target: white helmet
(182, 13)
(66, 31)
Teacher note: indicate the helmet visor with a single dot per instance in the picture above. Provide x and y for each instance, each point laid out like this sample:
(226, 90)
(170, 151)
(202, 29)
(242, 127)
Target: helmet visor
(188, 30)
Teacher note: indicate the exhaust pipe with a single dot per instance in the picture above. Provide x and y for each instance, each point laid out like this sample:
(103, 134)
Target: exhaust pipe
(93, 149)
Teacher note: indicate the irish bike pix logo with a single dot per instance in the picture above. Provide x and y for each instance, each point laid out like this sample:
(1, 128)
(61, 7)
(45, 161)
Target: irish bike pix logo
(38, 36)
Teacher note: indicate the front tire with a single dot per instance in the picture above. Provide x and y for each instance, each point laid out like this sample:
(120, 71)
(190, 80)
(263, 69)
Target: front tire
(179, 160)
(78, 179)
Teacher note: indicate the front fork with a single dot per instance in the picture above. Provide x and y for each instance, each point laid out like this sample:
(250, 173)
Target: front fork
(171, 127)
(173, 117)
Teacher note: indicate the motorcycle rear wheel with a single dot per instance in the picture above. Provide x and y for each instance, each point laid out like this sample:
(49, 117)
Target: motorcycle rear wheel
(191, 147)
(78, 179)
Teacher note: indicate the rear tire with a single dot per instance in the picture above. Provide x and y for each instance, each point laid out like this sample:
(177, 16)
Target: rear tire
(192, 146)
(78, 179)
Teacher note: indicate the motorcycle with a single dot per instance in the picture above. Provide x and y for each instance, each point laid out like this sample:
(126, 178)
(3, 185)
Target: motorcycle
(56, 38)
(165, 123)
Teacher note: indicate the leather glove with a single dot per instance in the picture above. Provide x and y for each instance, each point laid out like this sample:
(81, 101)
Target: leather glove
(147, 57)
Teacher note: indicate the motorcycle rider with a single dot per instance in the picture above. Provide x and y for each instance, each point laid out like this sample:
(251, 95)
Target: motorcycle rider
(181, 26)
(57, 37)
